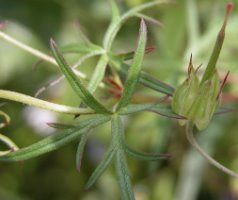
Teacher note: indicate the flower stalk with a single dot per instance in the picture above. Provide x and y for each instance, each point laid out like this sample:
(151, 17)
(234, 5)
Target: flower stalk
(193, 142)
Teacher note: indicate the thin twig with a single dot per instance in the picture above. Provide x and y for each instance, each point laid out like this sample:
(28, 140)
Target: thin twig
(193, 142)
(34, 52)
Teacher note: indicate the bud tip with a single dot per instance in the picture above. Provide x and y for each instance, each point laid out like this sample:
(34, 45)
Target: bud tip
(229, 7)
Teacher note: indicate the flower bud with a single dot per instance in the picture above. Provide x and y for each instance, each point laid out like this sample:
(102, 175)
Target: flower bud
(185, 94)
(197, 100)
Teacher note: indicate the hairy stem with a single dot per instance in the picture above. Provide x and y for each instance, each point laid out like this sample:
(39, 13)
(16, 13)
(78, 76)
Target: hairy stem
(193, 142)
(14, 96)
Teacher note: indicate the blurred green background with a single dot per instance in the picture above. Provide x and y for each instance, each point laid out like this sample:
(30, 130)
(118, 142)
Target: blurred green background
(190, 26)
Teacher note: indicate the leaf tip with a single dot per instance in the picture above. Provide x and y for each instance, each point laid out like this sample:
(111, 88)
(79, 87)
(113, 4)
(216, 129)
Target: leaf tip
(143, 27)
(53, 43)
(190, 66)
(78, 167)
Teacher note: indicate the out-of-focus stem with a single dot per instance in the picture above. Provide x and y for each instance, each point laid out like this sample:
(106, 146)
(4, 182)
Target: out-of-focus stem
(34, 52)
(9, 143)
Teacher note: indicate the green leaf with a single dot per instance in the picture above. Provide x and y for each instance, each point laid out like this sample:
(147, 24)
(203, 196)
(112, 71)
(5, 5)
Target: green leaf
(115, 11)
(155, 84)
(144, 156)
(81, 48)
(100, 168)
(54, 142)
(133, 108)
(120, 160)
(98, 73)
(117, 131)
(46, 145)
(129, 55)
(80, 150)
(211, 66)
(137, 9)
(123, 176)
(145, 78)
(113, 27)
(165, 110)
(134, 71)
(75, 83)
(126, 56)
(60, 125)
(162, 109)
(116, 24)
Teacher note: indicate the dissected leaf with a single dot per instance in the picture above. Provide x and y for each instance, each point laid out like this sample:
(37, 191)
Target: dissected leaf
(120, 160)
(155, 84)
(133, 108)
(100, 168)
(114, 26)
(81, 48)
(123, 176)
(115, 11)
(134, 71)
(98, 73)
(145, 78)
(130, 55)
(60, 125)
(80, 150)
(75, 83)
(54, 142)
(165, 110)
(133, 12)
(144, 156)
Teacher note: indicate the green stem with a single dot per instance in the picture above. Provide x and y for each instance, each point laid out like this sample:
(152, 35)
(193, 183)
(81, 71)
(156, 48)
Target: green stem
(34, 52)
(6, 117)
(193, 142)
(9, 143)
(14, 96)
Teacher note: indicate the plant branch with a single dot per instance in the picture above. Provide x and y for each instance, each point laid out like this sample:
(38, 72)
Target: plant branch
(193, 142)
(9, 143)
(34, 52)
(15, 96)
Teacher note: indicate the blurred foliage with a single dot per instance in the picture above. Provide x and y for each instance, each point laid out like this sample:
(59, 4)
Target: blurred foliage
(53, 176)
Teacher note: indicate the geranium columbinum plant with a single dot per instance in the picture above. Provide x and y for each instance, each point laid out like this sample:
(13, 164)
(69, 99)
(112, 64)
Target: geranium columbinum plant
(197, 99)
(194, 102)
